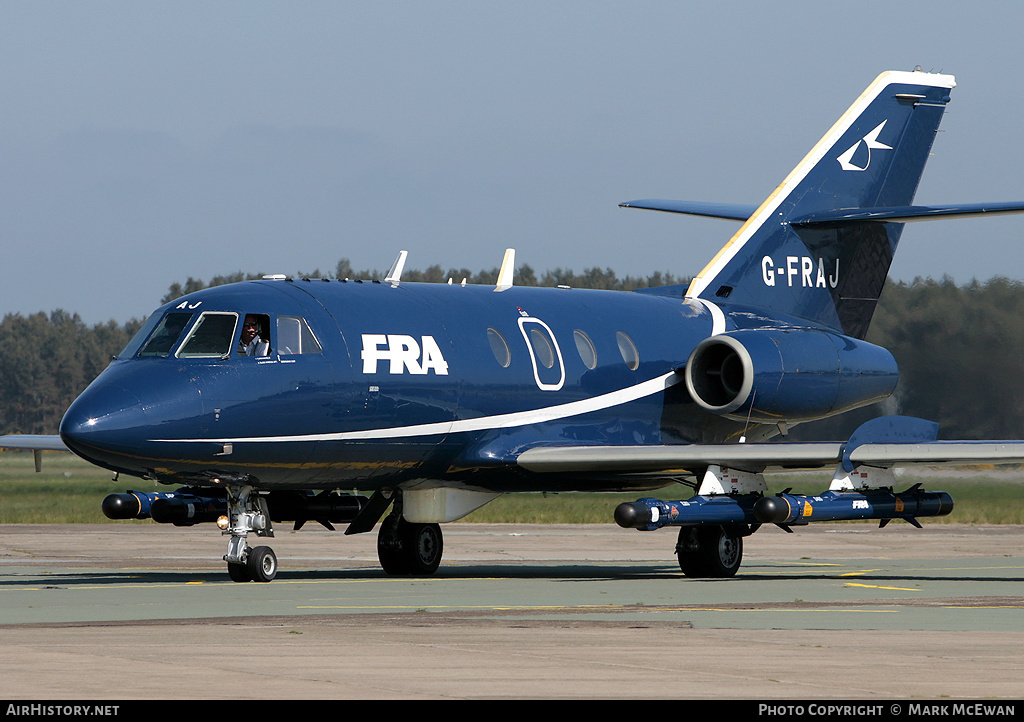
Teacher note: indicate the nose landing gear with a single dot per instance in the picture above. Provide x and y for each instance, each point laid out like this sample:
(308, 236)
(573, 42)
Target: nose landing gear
(247, 512)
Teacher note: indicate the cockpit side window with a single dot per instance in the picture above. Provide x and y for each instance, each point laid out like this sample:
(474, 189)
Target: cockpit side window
(255, 339)
(210, 337)
(163, 339)
(295, 337)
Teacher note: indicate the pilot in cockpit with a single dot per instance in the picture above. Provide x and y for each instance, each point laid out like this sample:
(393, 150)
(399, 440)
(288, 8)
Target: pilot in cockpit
(253, 342)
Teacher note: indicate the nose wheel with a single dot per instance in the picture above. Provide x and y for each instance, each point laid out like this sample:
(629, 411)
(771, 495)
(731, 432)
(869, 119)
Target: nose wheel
(261, 564)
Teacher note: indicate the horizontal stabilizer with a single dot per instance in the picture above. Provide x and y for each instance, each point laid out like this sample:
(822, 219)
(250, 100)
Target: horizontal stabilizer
(727, 211)
(908, 214)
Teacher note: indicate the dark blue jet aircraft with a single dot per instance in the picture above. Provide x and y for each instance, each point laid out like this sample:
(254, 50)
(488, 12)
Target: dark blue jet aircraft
(264, 400)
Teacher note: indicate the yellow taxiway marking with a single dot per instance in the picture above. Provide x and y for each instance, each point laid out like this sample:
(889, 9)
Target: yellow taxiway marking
(878, 586)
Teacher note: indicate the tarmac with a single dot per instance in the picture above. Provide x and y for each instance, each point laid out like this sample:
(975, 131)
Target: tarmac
(140, 611)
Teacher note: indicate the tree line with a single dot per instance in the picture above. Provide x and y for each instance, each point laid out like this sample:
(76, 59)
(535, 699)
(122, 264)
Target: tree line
(960, 350)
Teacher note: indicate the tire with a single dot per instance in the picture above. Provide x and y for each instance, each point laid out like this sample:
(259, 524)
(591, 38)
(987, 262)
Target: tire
(423, 546)
(389, 546)
(239, 573)
(722, 553)
(405, 548)
(688, 553)
(709, 552)
(261, 564)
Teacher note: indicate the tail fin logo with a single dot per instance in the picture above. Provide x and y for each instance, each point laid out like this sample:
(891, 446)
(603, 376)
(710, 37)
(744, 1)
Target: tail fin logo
(870, 142)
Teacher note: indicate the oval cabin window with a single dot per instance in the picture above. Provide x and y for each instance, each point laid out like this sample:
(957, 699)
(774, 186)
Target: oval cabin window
(628, 350)
(586, 349)
(499, 347)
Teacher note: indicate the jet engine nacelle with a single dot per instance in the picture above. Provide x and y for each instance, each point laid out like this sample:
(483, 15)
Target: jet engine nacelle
(772, 375)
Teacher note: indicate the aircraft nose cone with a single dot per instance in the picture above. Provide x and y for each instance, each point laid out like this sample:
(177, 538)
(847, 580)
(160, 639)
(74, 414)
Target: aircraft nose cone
(120, 420)
(103, 420)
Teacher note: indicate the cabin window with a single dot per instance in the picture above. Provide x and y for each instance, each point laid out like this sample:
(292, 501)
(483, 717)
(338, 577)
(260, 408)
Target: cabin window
(295, 337)
(542, 347)
(166, 335)
(499, 347)
(628, 350)
(586, 349)
(210, 337)
(545, 356)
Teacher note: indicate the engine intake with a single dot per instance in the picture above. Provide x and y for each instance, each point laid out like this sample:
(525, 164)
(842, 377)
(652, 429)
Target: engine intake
(772, 375)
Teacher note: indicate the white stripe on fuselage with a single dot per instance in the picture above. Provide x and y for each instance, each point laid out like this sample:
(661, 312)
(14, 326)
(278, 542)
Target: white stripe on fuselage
(500, 421)
(717, 317)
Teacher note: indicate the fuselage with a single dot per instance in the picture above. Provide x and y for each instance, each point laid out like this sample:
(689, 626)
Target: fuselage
(369, 384)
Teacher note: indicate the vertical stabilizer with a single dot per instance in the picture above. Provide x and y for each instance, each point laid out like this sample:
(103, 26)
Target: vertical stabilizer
(798, 255)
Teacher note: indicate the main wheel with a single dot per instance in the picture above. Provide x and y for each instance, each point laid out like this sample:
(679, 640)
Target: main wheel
(423, 546)
(722, 552)
(261, 564)
(407, 548)
(709, 552)
(389, 546)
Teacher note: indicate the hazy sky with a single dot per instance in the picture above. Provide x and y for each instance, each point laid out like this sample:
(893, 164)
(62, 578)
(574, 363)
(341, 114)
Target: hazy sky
(145, 142)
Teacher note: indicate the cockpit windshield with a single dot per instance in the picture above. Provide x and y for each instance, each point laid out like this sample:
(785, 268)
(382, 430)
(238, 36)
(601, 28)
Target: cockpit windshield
(166, 335)
(141, 335)
(210, 337)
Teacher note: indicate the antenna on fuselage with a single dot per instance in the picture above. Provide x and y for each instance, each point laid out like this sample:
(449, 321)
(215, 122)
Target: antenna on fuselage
(395, 274)
(508, 264)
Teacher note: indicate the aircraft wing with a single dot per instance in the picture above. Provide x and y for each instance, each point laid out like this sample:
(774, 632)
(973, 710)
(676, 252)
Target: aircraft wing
(36, 442)
(652, 459)
(759, 457)
(882, 442)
